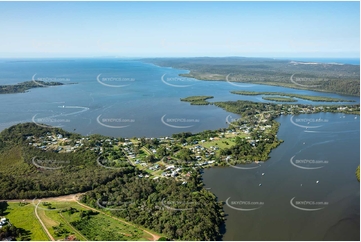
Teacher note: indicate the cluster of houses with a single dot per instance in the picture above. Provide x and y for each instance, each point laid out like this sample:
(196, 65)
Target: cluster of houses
(56, 143)
(198, 149)
(129, 150)
(154, 168)
(171, 171)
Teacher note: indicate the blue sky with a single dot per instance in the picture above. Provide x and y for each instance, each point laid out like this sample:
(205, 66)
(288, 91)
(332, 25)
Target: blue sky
(176, 29)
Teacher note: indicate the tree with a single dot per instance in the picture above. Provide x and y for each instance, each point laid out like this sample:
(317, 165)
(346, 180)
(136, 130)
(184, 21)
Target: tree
(150, 158)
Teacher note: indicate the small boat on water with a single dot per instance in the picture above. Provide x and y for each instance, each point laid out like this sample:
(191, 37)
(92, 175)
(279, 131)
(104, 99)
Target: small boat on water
(260, 184)
(317, 181)
(262, 174)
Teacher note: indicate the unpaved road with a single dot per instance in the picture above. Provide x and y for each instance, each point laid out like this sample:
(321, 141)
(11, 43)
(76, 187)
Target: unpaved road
(66, 198)
(72, 198)
(41, 222)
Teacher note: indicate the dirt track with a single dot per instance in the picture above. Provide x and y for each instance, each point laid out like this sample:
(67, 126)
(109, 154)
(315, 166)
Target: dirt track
(72, 198)
(66, 198)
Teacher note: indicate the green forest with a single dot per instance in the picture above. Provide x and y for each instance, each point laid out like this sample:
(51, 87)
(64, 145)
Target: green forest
(181, 212)
(341, 79)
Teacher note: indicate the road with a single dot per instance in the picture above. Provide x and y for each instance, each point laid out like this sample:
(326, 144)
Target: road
(73, 198)
(42, 224)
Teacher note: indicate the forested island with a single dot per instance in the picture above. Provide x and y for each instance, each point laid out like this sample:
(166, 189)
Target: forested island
(322, 77)
(279, 99)
(197, 100)
(24, 86)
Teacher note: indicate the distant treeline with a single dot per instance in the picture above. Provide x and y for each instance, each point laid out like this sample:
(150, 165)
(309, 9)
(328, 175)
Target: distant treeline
(306, 97)
(341, 79)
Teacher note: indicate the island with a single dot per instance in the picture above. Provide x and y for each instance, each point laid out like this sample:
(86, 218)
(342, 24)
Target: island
(24, 86)
(197, 100)
(280, 99)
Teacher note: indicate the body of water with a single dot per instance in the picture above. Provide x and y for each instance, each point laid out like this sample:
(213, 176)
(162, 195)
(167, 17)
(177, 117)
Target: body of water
(121, 98)
(307, 190)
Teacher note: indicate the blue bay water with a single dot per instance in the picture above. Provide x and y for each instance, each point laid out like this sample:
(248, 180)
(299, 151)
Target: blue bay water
(332, 154)
(132, 99)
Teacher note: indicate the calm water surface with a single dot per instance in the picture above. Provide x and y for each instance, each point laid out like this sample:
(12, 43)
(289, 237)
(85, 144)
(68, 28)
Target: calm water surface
(335, 146)
(130, 100)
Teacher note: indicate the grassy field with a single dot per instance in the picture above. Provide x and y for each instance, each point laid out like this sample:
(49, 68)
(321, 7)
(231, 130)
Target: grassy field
(54, 220)
(95, 227)
(24, 217)
(101, 227)
(222, 142)
(60, 223)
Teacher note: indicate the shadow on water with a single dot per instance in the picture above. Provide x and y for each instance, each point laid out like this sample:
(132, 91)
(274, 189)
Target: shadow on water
(336, 232)
(222, 230)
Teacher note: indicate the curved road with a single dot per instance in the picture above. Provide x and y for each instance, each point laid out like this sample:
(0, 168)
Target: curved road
(41, 222)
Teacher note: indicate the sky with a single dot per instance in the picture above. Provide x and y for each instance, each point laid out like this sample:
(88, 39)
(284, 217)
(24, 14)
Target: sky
(180, 29)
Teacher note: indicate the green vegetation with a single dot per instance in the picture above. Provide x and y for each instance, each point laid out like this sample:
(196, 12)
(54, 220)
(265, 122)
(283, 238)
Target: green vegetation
(197, 100)
(66, 220)
(24, 86)
(89, 225)
(19, 177)
(358, 173)
(306, 97)
(55, 221)
(154, 183)
(181, 212)
(96, 227)
(10, 232)
(22, 216)
(342, 79)
(279, 99)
